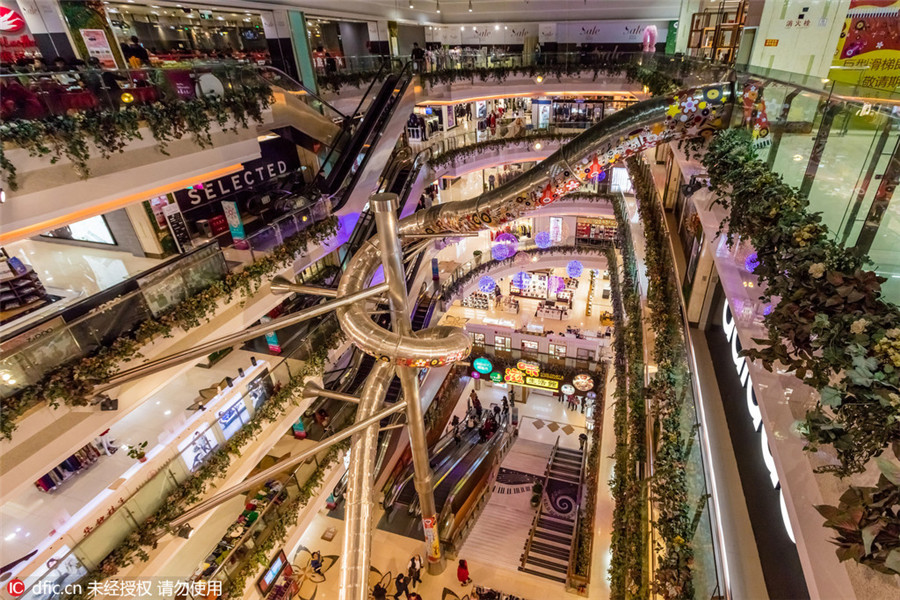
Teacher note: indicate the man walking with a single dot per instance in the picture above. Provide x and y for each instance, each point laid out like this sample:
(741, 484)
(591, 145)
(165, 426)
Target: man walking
(415, 570)
(402, 586)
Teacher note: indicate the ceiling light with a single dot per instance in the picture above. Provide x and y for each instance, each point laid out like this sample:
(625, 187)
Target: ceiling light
(537, 145)
(496, 28)
(411, 4)
(470, 5)
(539, 79)
(439, 6)
(462, 28)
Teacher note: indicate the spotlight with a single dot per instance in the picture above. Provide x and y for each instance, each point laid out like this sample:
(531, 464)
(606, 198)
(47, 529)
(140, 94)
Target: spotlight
(438, 6)
(470, 5)
(539, 79)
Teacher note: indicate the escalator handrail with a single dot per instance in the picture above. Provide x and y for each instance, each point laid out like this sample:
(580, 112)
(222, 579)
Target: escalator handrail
(306, 90)
(499, 437)
(402, 82)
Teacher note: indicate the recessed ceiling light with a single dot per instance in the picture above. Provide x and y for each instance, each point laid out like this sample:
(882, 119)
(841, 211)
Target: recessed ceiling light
(496, 28)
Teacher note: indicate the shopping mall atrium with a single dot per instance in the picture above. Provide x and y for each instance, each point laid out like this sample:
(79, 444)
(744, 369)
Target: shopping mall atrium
(450, 300)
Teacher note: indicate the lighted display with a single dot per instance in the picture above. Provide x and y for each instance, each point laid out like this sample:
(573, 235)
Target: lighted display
(528, 374)
(487, 284)
(505, 246)
(482, 365)
(543, 239)
(496, 377)
(574, 268)
(521, 280)
(751, 262)
(567, 389)
(583, 382)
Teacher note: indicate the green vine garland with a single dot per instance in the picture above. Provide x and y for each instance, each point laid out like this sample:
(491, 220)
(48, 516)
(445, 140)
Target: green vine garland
(472, 150)
(72, 383)
(72, 136)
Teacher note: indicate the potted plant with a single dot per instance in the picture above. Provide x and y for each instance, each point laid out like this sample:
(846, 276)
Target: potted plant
(536, 491)
(137, 452)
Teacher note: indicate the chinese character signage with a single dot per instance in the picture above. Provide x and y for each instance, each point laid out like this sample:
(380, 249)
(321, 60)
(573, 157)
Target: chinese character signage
(868, 51)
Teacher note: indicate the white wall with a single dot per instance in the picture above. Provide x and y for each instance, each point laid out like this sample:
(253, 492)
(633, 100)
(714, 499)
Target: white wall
(804, 49)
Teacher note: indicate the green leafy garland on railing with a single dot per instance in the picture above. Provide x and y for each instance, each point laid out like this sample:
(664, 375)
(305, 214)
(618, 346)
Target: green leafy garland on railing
(673, 578)
(829, 323)
(455, 288)
(656, 80)
(108, 131)
(286, 516)
(72, 383)
(472, 150)
(334, 81)
(629, 569)
(618, 564)
(584, 544)
(135, 546)
(830, 326)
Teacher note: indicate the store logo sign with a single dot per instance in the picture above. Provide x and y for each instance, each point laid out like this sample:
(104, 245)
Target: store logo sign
(10, 20)
(742, 367)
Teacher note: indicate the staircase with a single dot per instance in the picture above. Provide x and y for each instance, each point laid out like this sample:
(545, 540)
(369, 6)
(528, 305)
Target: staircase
(549, 547)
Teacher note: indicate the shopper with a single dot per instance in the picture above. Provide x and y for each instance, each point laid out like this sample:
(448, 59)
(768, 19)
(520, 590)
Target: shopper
(491, 180)
(137, 50)
(582, 440)
(497, 411)
(414, 570)
(379, 593)
(316, 563)
(476, 404)
(402, 586)
(462, 573)
(418, 56)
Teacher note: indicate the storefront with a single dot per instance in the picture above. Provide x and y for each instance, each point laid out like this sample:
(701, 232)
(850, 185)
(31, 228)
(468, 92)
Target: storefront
(587, 110)
(17, 42)
(592, 230)
(166, 34)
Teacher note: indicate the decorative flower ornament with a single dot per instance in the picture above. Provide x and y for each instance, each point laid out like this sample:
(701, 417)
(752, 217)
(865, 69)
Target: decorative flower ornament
(574, 268)
(817, 270)
(859, 326)
(487, 284)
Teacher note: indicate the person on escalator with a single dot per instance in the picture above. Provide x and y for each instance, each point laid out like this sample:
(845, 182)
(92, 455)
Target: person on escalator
(505, 406)
(476, 404)
(471, 422)
(482, 433)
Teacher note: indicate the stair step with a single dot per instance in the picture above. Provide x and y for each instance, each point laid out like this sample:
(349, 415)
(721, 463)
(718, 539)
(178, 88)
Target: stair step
(568, 452)
(557, 552)
(557, 527)
(558, 468)
(548, 564)
(544, 575)
(553, 537)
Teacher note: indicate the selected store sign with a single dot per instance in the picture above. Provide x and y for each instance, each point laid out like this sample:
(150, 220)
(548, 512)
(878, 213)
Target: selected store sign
(743, 371)
(528, 374)
(255, 172)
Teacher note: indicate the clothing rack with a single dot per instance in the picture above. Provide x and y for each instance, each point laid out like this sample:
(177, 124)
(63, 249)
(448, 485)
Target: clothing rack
(78, 462)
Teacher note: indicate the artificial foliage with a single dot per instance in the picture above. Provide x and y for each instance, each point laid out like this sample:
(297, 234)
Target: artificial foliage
(667, 396)
(471, 151)
(829, 323)
(137, 544)
(73, 383)
(629, 571)
(77, 136)
(455, 288)
(866, 521)
(585, 534)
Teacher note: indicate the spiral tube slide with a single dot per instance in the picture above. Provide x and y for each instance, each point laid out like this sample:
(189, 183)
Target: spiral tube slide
(684, 114)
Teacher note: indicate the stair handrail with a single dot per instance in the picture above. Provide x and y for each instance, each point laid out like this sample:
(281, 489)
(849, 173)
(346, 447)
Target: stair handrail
(537, 516)
(571, 576)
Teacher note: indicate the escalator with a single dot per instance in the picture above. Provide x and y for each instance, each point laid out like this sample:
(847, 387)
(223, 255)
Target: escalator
(455, 466)
(347, 158)
(422, 315)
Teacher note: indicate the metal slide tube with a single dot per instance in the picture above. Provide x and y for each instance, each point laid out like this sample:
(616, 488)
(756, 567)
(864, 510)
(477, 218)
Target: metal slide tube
(357, 548)
(163, 363)
(385, 209)
(283, 285)
(262, 477)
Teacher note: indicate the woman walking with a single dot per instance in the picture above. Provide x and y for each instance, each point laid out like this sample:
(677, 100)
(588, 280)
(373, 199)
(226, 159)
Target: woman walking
(462, 573)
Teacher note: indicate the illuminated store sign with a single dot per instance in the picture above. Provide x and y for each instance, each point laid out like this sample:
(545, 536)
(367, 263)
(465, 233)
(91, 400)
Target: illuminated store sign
(528, 374)
(583, 382)
(742, 367)
(482, 365)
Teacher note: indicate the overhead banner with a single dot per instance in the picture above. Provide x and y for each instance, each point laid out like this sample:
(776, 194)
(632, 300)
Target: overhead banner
(608, 32)
(547, 33)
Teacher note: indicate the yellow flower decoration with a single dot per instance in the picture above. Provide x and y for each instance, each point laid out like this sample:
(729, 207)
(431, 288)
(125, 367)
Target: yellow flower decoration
(712, 94)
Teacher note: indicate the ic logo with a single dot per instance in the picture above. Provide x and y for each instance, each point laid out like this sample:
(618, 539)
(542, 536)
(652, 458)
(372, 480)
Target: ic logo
(15, 587)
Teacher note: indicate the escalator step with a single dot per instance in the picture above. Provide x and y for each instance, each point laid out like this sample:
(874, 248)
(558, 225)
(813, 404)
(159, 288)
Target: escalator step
(544, 575)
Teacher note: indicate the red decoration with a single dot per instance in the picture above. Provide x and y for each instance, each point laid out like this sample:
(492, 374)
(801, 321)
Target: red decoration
(10, 20)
